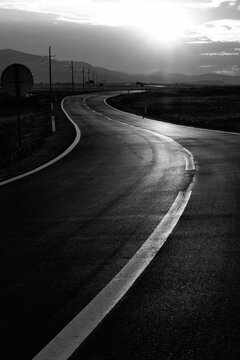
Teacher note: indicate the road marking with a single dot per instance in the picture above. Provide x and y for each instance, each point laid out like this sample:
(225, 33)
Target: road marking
(191, 127)
(66, 152)
(189, 160)
(63, 345)
(72, 336)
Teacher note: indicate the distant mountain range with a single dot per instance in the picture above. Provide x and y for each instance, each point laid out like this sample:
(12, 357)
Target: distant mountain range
(61, 72)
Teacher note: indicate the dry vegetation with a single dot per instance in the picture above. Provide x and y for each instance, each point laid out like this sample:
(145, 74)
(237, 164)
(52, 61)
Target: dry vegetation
(39, 145)
(214, 107)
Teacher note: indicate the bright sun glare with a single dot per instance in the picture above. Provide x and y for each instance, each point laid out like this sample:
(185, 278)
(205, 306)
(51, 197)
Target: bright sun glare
(162, 22)
(165, 25)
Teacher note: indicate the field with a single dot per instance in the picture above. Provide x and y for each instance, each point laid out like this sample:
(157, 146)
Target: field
(214, 107)
(38, 143)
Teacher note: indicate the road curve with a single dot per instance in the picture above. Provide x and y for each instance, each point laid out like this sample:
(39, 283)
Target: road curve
(186, 305)
(67, 230)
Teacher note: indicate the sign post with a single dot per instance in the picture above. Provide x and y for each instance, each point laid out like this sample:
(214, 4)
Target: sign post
(17, 81)
(53, 122)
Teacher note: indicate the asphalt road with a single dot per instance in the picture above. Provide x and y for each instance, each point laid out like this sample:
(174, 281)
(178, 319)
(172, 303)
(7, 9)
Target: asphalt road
(67, 230)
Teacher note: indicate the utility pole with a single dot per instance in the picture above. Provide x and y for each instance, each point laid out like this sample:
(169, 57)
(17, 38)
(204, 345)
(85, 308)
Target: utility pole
(72, 69)
(50, 69)
(17, 84)
(88, 78)
(83, 77)
(50, 56)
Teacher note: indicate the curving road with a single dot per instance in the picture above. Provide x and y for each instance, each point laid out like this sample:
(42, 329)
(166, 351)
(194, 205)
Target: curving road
(67, 230)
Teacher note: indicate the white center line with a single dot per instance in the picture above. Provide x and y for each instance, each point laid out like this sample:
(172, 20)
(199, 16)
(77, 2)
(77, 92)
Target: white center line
(67, 151)
(71, 337)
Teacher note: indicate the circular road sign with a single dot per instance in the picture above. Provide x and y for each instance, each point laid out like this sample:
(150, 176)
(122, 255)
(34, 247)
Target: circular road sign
(17, 80)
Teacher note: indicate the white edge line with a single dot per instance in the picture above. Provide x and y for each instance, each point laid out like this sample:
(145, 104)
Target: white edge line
(189, 159)
(67, 151)
(74, 333)
(191, 127)
(63, 345)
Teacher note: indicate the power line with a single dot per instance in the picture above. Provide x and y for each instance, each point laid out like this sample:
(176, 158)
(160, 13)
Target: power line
(72, 69)
(83, 76)
(88, 78)
(50, 56)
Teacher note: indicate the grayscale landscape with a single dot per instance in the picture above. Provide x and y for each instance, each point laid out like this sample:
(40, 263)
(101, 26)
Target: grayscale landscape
(119, 179)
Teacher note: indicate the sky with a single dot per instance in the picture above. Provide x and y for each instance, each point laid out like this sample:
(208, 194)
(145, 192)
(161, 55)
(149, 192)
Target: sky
(134, 36)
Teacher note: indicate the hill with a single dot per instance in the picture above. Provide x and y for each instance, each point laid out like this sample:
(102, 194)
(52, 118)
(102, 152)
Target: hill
(61, 72)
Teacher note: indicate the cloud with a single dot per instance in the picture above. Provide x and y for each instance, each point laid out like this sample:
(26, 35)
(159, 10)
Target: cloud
(194, 17)
(77, 32)
(226, 30)
(204, 20)
(234, 71)
(99, 9)
(223, 53)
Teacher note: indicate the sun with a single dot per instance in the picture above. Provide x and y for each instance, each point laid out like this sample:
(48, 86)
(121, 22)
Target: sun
(164, 23)
(161, 21)
(166, 26)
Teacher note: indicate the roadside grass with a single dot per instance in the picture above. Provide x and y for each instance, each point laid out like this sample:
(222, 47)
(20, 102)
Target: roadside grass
(212, 107)
(39, 145)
